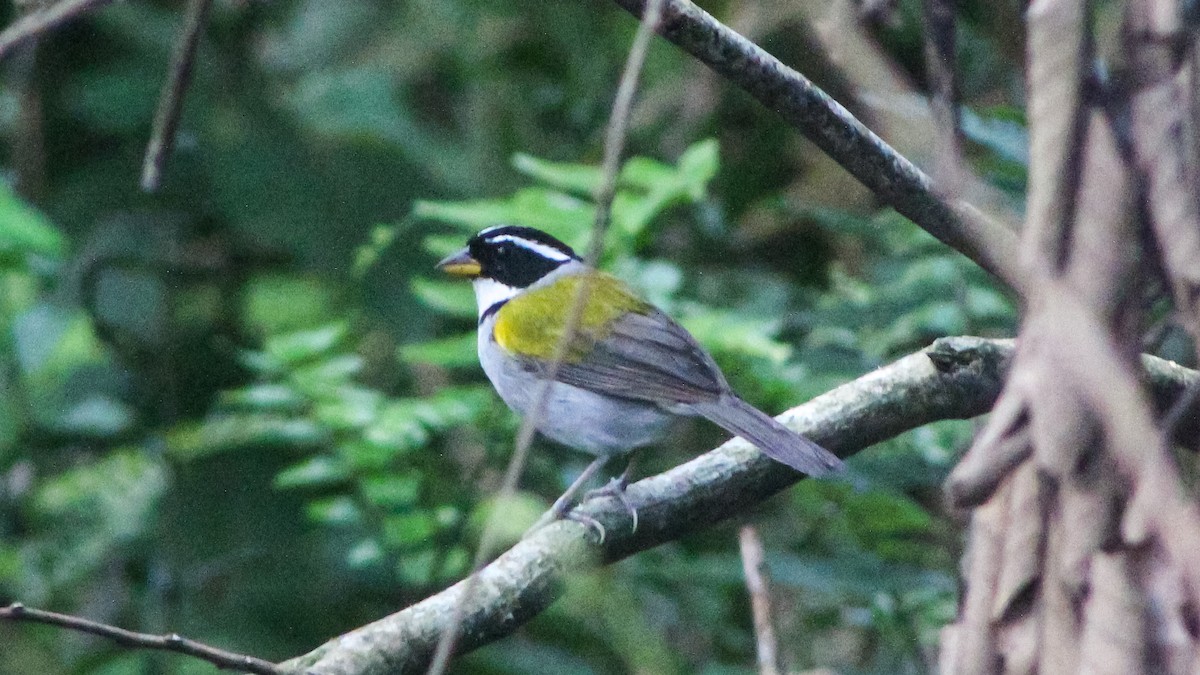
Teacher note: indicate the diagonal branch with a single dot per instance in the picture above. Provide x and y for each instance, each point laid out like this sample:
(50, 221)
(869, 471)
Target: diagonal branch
(170, 103)
(32, 25)
(169, 643)
(832, 128)
(953, 379)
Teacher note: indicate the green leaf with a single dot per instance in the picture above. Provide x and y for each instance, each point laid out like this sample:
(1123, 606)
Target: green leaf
(25, 231)
(227, 433)
(698, 165)
(301, 346)
(644, 174)
(729, 333)
(82, 519)
(411, 529)
(391, 492)
(369, 253)
(96, 416)
(327, 376)
(364, 554)
(459, 351)
(319, 471)
(365, 455)
(348, 407)
(471, 216)
(397, 427)
(416, 568)
(442, 245)
(1000, 131)
(510, 517)
(275, 304)
(51, 341)
(266, 398)
(454, 298)
(334, 511)
(558, 213)
(580, 179)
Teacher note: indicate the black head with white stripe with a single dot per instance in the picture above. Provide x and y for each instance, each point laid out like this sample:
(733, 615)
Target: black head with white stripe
(511, 255)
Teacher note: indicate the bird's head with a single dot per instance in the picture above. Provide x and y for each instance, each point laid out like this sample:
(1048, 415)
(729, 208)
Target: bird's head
(504, 260)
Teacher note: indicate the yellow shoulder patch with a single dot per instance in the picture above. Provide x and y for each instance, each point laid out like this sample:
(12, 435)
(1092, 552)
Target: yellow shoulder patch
(532, 323)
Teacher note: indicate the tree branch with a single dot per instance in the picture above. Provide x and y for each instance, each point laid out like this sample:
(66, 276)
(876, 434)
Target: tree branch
(169, 643)
(170, 103)
(32, 25)
(754, 566)
(955, 378)
(832, 128)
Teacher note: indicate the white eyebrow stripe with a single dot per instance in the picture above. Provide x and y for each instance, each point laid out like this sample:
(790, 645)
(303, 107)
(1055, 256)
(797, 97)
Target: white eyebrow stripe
(537, 247)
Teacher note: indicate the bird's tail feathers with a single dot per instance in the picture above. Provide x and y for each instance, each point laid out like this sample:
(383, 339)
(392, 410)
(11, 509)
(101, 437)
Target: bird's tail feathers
(775, 440)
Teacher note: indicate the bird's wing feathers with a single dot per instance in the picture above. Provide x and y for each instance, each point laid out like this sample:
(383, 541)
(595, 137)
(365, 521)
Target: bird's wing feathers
(644, 356)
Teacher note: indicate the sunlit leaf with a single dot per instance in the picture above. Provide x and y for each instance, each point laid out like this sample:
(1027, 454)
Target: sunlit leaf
(411, 529)
(580, 179)
(336, 511)
(25, 231)
(459, 351)
(303, 345)
(227, 433)
(391, 492)
(318, 471)
(264, 397)
(449, 297)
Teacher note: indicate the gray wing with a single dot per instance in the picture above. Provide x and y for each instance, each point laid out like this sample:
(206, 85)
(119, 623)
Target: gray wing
(646, 357)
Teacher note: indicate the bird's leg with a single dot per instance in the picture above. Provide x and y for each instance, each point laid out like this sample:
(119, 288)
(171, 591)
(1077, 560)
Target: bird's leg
(615, 488)
(562, 505)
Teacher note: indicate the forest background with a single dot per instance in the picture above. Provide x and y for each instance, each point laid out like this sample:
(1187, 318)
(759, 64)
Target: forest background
(244, 408)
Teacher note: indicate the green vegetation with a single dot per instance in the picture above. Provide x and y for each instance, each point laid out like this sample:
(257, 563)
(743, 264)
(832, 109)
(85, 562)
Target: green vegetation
(248, 411)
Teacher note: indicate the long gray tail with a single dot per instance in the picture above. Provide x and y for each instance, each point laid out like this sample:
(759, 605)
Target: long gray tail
(775, 440)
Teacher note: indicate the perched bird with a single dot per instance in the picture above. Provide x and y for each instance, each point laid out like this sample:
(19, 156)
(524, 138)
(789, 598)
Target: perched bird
(629, 371)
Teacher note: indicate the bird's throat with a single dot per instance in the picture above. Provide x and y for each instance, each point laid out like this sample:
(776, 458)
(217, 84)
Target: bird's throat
(490, 296)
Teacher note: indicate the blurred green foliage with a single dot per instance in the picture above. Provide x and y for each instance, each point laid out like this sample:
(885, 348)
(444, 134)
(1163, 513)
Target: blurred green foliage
(246, 410)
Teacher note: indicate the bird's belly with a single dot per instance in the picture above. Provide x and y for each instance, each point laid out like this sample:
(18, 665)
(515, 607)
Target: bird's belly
(593, 423)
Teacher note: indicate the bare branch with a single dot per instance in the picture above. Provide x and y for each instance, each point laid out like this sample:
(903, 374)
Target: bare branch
(832, 128)
(170, 103)
(940, 21)
(168, 643)
(754, 566)
(37, 23)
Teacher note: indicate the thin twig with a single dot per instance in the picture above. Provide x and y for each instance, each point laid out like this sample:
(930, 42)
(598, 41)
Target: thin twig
(37, 23)
(170, 103)
(613, 147)
(169, 643)
(29, 143)
(754, 566)
(940, 52)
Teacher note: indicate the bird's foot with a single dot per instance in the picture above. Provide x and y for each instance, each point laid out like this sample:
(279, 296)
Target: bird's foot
(565, 512)
(616, 489)
(587, 521)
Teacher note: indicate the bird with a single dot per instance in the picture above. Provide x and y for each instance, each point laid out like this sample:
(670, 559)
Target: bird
(627, 374)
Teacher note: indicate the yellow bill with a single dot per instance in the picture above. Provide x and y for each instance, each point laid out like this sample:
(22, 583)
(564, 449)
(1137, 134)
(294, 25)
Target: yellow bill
(460, 264)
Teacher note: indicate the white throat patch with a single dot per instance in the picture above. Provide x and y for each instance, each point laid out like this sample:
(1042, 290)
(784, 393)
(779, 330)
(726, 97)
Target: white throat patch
(489, 291)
